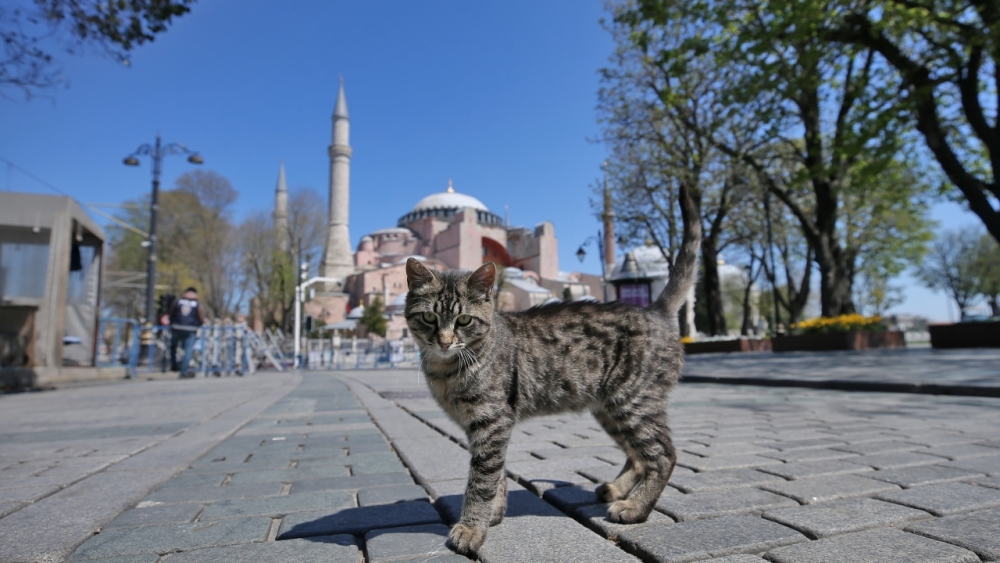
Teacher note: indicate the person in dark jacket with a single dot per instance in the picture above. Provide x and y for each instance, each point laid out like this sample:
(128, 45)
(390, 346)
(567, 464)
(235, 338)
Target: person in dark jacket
(186, 316)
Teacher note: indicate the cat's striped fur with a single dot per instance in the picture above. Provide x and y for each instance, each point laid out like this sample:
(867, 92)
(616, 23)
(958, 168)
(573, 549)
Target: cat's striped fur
(488, 370)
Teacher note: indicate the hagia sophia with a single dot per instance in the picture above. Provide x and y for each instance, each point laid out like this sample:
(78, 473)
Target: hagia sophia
(446, 230)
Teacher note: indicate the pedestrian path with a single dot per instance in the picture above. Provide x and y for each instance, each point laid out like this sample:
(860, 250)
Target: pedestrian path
(364, 467)
(971, 372)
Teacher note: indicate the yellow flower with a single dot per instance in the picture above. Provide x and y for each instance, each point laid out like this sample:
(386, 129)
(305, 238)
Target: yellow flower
(686, 340)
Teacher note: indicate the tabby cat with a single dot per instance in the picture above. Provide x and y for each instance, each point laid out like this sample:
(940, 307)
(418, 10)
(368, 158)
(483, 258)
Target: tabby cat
(488, 370)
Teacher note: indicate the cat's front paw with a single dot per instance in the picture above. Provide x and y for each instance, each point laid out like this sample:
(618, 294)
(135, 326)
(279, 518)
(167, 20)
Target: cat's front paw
(466, 540)
(626, 512)
(607, 492)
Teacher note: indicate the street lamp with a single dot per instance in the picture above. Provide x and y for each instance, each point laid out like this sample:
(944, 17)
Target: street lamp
(581, 254)
(156, 152)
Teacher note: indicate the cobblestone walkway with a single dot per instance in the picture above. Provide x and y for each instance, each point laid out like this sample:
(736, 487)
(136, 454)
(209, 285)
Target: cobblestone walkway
(363, 466)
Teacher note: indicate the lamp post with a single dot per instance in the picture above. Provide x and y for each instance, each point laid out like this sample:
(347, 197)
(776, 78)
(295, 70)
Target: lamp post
(156, 152)
(581, 254)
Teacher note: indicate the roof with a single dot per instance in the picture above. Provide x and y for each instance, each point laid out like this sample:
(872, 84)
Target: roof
(37, 210)
(449, 200)
(392, 230)
(340, 110)
(641, 262)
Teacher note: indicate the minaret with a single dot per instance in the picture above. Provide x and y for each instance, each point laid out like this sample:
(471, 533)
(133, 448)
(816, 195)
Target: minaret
(281, 210)
(337, 260)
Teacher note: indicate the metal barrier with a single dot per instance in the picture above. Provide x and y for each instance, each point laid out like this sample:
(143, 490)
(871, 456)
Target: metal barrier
(330, 353)
(118, 343)
(217, 350)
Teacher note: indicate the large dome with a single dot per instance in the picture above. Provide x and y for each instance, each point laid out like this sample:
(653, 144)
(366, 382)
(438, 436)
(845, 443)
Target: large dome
(448, 204)
(449, 200)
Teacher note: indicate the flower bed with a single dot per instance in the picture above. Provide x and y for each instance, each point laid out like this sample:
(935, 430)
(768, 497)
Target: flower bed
(985, 334)
(846, 332)
(732, 345)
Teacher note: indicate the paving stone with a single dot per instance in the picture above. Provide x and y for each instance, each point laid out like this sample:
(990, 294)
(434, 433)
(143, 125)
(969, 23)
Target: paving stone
(553, 479)
(822, 489)
(9, 506)
(400, 544)
(703, 539)
(989, 465)
(978, 532)
(896, 459)
(535, 531)
(151, 515)
(946, 499)
(331, 549)
(992, 482)
(807, 469)
(141, 558)
(603, 473)
(187, 479)
(569, 499)
(817, 454)
(875, 546)
(727, 462)
(449, 558)
(211, 493)
(26, 494)
(736, 559)
(291, 475)
(922, 475)
(844, 516)
(696, 506)
(737, 448)
(595, 517)
(722, 479)
(368, 467)
(433, 459)
(278, 506)
(391, 495)
(806, 444)
(171, 537)
(307, 461)
(542, 468)
(963, 451)
(357, 520)
(351, 483)
(881, 447)
(552, 451)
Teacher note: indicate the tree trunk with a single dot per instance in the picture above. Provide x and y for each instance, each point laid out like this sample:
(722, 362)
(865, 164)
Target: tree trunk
(713, 288)
(746, 327)
(835, 279)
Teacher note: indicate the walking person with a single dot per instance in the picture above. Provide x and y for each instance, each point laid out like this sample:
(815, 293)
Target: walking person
(186, 316)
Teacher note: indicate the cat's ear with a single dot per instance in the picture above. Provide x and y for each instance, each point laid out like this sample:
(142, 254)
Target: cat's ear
(481, 281)
(417, 275)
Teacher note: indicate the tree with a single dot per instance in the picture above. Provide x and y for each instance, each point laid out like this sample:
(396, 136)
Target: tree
(987, 267)
(373, 317)
(946, 55)
(659, 124)
(828, 109)
(950, 266)
(197, 244)
(115, 27)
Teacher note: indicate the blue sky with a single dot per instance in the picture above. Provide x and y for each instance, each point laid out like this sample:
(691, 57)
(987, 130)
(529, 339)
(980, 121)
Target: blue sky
(499, 97)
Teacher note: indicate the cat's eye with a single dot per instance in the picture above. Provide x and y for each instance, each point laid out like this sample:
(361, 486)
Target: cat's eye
(429, 318)
(463, 320)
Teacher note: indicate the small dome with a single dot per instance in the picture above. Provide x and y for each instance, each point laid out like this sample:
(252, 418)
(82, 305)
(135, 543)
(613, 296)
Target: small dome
(449, 200)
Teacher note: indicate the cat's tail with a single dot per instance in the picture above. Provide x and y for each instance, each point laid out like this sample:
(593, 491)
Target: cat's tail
(684, 270)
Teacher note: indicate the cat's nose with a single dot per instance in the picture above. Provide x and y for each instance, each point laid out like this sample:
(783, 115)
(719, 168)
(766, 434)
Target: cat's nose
(444, 344)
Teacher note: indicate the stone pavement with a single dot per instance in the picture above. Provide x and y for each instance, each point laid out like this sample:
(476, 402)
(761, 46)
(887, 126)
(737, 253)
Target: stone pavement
(969, 372)
(363, 466)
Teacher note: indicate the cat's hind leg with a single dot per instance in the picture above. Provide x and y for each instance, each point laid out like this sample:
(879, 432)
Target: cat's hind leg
(658, 457)
(631, 474)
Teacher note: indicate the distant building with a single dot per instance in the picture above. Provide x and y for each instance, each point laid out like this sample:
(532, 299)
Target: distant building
(446, 230)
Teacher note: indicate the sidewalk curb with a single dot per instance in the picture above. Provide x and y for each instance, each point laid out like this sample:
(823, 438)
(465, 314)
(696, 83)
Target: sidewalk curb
(849, 385)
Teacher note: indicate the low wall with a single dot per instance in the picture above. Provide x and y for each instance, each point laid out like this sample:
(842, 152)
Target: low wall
(21, 379)
(966, 335)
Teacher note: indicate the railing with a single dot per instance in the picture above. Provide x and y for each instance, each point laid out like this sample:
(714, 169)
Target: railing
(218, 349)
(329, 353)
